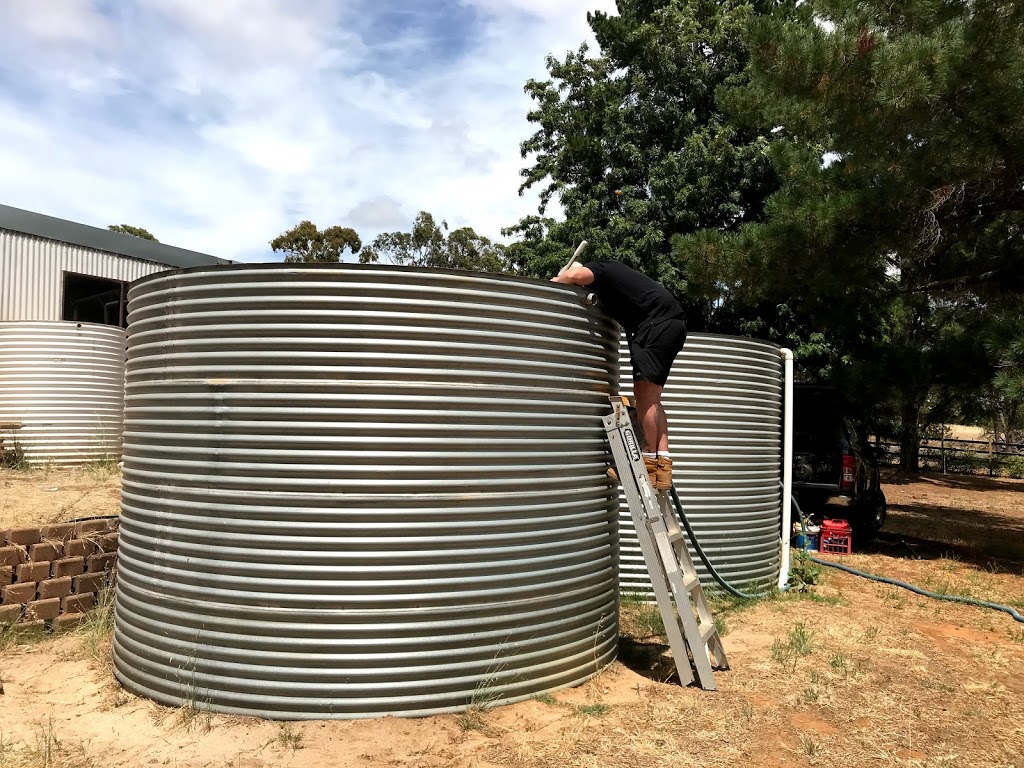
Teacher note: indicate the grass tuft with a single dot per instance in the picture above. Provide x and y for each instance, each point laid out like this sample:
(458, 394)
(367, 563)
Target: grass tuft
(798, 643)
(810, 746)
(97, 630)
(649, 621)
(840, 665)
(289, 737)
(474, 719)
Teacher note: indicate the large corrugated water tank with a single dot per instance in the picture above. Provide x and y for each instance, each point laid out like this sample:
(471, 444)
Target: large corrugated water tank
(62, 386)
(723, 401)
(359, 490)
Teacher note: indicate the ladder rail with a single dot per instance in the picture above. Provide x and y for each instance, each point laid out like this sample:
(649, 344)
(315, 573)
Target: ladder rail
(689, 623)
(634, 496)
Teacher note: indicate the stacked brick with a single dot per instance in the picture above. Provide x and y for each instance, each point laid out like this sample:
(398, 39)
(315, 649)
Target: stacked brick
(51, 576)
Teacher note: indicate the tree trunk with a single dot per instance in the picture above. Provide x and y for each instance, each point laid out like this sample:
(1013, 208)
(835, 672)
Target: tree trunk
(910, 440)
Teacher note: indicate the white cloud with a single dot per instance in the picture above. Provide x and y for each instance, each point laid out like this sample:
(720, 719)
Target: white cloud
(377, 214)
(217, 124)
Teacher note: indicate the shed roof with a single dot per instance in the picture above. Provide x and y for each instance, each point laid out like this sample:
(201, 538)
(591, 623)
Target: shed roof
(29, 223)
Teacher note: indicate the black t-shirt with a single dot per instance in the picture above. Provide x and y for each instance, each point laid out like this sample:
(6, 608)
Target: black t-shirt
(629, 296)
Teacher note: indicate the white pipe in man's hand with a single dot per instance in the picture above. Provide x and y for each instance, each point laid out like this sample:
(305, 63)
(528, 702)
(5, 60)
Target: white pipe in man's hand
(575, 256)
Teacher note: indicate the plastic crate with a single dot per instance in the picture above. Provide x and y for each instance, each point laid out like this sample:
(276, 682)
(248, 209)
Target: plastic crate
(836, 537)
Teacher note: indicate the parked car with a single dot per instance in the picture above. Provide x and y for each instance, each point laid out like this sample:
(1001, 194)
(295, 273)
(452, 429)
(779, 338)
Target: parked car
(832, 462)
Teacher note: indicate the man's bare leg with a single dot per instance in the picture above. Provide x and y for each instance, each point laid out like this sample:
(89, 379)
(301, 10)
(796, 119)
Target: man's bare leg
(652, 416)
(654, 423)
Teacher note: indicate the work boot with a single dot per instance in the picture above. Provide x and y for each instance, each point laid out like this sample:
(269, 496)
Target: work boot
(663, 477)
(651, 465)
(612, 474)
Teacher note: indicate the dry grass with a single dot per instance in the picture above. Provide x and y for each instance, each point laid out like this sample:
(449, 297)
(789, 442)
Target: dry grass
(42, 495)
(44, 749)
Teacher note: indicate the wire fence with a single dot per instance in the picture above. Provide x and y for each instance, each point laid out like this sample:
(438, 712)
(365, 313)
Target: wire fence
(964, 457)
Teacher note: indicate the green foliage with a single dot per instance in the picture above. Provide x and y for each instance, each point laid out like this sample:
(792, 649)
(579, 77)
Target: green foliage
(837, 176)
(909, 101)
(128, 229)
(906, 381)
(964, 462)
(304, 243)
(799, 642)
(804, 573)
(896, 229)
(633, 142)
(1003, 402)
(1014, 467)
(431, 245)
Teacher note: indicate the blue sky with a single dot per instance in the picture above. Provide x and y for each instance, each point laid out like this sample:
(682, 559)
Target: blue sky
(218, 124)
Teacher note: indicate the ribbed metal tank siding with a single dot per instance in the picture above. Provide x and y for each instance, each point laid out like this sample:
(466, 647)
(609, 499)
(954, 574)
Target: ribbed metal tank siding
(64, 382)
(352, 491)
(31, 273)
(724, 406)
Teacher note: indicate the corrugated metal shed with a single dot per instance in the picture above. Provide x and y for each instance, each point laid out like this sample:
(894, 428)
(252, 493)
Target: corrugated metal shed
(31, 273)
(36, 250)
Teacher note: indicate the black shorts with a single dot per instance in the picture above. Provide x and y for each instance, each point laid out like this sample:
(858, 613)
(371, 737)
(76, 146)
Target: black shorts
(654, 347)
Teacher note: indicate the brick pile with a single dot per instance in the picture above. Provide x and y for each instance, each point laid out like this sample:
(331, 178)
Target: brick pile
(52, 575)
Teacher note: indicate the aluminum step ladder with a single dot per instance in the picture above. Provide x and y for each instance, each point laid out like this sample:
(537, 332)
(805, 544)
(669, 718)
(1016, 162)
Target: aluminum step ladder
(684, 609)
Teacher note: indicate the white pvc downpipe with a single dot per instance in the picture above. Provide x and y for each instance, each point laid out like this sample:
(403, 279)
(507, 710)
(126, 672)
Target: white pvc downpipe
(787, 463)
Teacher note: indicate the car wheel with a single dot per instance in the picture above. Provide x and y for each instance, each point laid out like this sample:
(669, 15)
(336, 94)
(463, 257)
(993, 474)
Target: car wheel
(870, 516)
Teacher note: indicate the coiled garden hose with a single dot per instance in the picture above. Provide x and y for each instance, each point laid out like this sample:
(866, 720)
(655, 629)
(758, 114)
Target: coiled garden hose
(864, 574)
(896, 583)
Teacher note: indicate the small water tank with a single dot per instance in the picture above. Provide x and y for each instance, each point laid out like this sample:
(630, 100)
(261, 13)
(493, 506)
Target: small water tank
(723, 400)
(63, 382)
(352, 491)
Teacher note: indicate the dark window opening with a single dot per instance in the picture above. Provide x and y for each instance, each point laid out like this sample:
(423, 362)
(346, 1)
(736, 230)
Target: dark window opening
(95, 300)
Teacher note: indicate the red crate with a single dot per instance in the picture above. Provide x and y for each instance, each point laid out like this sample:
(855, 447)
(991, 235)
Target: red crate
(836, 537)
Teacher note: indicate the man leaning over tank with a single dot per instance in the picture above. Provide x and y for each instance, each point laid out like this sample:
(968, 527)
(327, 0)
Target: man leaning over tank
(655, 331)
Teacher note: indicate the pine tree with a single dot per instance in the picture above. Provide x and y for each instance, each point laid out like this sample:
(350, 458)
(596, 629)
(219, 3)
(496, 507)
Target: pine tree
(899, 140)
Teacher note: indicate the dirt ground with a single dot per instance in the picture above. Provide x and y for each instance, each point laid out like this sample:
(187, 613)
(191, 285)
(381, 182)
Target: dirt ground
(40, 496)
(852, 673)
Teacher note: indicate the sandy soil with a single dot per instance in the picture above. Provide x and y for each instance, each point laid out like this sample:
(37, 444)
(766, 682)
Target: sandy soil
(854, 673)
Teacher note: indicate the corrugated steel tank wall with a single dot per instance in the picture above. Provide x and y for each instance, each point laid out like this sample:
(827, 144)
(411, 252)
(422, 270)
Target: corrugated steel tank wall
(31, 273)
(65, 383)
(723, 400)
(358, 490)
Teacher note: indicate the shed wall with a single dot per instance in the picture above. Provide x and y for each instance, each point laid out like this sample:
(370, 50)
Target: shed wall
(31, 273)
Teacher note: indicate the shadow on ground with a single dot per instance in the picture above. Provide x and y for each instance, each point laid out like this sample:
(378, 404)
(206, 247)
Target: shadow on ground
(962, 482)
(923, 531)
(648, 658)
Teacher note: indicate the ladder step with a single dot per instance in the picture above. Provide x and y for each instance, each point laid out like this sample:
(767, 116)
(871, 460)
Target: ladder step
(662, 540)
(707, 631)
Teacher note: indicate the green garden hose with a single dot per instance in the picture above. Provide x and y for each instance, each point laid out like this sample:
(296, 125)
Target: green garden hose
(882, 579)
